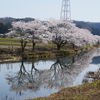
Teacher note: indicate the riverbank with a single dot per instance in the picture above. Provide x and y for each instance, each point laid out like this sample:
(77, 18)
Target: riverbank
(10, 50)
(14, 54)
(87, 91)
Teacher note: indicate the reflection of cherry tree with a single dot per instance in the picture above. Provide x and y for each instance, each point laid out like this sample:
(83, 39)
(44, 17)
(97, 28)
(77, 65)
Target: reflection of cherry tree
(23, 79)
(66, 73)
(61, 74)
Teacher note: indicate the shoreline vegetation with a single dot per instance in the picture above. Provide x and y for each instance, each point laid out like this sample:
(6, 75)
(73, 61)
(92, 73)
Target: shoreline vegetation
(10, 51)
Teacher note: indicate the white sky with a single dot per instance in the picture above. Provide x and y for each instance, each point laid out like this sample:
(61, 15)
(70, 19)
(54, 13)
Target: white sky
(82, 10)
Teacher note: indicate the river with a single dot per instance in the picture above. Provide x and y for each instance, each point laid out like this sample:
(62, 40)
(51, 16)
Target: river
(30, 79)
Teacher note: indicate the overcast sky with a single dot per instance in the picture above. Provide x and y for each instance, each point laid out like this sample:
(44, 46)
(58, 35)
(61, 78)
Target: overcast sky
(82, 10)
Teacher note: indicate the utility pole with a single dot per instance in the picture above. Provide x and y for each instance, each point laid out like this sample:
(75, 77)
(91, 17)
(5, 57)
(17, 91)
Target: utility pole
(65, 11)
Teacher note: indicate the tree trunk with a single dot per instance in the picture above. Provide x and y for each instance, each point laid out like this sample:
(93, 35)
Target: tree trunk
(33, 45)
(23, 45)
(58, 47)
(73, 46)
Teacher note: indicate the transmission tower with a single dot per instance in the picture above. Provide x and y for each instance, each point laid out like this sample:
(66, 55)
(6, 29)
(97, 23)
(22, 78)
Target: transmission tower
(65, 10)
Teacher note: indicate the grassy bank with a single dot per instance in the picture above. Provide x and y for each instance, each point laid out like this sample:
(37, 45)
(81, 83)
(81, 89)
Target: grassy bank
(10, 50)
(11, 54)
(88, 91)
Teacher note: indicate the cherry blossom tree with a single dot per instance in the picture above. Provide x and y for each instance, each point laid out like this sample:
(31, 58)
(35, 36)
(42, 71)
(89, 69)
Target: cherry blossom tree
(97, 39)
(62, 32)
(58, 29)
(19, 29)
(35, 28)
(27, 30)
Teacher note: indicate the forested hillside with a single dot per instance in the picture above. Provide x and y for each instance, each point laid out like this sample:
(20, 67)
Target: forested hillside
(10, 19)
(4, 28)
(89, 25)
(95, 25)
(5, 24)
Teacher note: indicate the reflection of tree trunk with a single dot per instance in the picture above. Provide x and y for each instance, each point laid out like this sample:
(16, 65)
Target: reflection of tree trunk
(21, 72)
(58, 65)
(62, 65)
(33, 67)
(72, 60)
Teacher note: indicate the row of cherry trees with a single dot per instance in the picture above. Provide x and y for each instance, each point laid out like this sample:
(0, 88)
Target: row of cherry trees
(58, 31)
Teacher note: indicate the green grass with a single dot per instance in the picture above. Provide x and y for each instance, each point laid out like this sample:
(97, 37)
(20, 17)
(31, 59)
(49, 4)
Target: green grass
(12, 44)
(16, 42)
(9, 44)
(8, 40)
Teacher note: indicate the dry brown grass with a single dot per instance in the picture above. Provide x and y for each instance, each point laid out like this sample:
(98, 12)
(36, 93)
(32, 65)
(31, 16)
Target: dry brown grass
(88, 91)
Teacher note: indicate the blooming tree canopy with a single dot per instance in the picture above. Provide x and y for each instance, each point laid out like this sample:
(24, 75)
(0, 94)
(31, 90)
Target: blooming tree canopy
(35, 28)
(66, 32)
(58, 31)
(27, 30)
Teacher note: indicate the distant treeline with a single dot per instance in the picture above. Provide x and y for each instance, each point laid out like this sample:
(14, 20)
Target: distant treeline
(93, 27)
(4, 28)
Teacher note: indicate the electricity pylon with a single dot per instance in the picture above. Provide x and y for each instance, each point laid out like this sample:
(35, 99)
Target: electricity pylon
(65, 10)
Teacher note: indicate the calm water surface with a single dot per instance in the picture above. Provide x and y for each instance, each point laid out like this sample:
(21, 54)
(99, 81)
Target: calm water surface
(24, 80)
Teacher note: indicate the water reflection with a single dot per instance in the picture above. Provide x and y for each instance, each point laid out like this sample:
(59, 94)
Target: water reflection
(23, 79)
(63, 72)
(92, 76)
